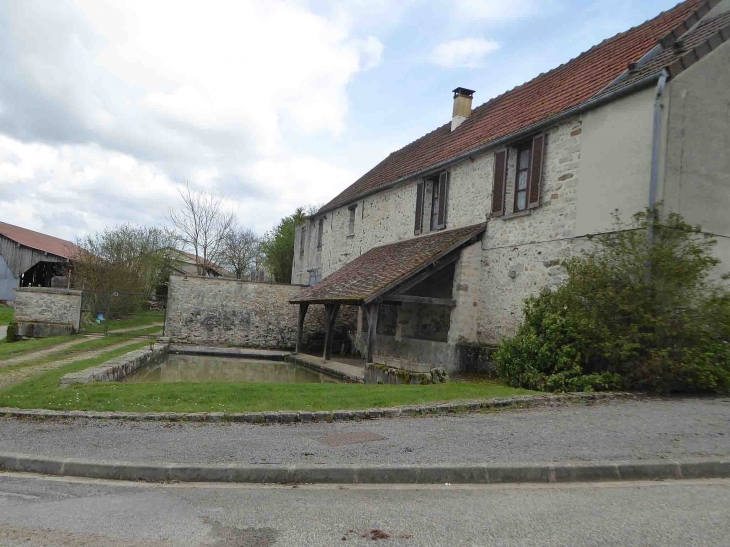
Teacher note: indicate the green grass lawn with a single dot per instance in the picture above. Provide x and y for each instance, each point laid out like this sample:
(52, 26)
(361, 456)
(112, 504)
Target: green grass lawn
(34, 344)
(43, 392)
(17, 349)
(146, 317)
(89, 345)
(6, 315)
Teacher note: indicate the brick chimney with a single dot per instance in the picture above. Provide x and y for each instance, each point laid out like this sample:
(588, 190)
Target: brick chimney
(462, 106)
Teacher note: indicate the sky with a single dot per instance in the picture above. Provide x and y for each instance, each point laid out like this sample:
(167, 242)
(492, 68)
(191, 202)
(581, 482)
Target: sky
(108, 107)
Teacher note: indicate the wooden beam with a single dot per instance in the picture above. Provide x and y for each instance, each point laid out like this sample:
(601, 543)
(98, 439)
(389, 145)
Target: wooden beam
(372, 313)
(404, 287)
(330, 317)
(421, 300)
(300, 325)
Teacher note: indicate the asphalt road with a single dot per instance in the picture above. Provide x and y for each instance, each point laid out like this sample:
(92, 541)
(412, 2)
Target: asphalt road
(61, 513)
(625, 430)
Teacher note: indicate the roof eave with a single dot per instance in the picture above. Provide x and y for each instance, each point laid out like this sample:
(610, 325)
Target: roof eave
(473, 237)
(590, 104)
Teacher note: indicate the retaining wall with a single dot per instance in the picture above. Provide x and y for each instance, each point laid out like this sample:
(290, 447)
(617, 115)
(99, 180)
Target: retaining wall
(116, 369)
(41, 311)
(227, 312)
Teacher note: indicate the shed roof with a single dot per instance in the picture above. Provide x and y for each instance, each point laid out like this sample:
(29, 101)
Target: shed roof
(41, 242)
(548, 95)
(383, 268)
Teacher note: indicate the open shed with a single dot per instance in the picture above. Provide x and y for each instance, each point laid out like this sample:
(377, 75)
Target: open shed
(30, 259)
(409, 293)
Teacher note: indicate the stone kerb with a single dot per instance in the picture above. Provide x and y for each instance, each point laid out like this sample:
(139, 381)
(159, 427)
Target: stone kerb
(116, 369)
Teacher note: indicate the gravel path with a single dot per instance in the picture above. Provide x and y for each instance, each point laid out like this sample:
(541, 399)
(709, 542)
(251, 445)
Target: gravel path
(22, 374)
(640, 429)
(41, 353)
(132, 329)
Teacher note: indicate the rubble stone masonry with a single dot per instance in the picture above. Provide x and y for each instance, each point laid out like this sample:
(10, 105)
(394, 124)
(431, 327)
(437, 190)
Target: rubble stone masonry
(227, 312)
(519, 253)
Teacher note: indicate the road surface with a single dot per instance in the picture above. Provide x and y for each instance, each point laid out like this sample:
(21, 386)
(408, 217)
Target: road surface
(77, 513)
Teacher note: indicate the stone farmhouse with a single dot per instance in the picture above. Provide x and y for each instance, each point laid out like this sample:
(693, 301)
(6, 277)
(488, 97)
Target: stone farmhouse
(436, 247)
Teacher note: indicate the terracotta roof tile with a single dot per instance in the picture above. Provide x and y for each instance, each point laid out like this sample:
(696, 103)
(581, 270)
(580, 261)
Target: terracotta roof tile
(41, 242)
(370, 273)
(691, 40)
(549, 94)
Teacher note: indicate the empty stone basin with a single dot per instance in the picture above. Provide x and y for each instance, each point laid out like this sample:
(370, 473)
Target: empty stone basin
(204, 368)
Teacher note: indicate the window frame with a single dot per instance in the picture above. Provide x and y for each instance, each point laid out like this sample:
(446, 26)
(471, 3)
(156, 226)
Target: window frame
(433, 216)
(320, 233)
(302, 241)
(352, 220)
(525, 146)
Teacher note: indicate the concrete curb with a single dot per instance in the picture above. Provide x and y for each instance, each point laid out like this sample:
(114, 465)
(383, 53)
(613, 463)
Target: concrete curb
(374, 474)
(287, 417)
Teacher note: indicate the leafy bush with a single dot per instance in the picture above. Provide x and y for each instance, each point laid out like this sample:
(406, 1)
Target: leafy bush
(640, 311)
(10, 333)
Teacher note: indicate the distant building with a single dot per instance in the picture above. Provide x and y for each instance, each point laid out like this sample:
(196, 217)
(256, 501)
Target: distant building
(184, 263)
(30, 259)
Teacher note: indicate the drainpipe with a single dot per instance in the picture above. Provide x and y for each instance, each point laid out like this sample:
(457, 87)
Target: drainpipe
(656, 138)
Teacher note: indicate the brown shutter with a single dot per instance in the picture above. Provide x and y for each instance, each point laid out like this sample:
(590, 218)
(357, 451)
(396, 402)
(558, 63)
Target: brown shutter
(443, 196)
(419, 208)
(536, 167)
(499, 183)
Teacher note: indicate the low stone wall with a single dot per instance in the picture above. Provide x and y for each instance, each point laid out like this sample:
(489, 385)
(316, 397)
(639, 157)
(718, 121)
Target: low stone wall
(41, 311)
(383, 374)
(414, 355)
(116, 369)
(226, 312)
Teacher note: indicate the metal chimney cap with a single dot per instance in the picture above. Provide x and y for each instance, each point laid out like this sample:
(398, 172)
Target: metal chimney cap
(464, 92)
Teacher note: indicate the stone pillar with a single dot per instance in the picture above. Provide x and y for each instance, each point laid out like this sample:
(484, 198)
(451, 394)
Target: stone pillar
(465, 315)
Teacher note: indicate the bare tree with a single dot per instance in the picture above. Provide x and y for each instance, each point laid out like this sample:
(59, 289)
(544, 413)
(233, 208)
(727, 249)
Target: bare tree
(240, 250)
(202, 225)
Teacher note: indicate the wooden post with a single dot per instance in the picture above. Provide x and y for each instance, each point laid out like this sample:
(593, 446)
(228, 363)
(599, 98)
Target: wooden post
(300, 325)
(372, 313)
(329, 332)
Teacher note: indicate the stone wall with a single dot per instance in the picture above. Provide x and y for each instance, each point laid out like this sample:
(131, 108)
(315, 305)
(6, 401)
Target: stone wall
(519, 253)
(119, 367)
(227, 312)
(40, 305)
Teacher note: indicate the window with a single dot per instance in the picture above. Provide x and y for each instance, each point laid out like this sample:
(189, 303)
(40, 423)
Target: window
(435, 205)
(420, 189)
(528, 158)
(301, 241)
(439, 196)
(320, 231)
(522, 178)
(351, 226)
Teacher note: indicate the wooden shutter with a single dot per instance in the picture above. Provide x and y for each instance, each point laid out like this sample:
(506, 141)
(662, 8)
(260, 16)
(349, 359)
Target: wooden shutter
(420, 187)
(443, 196)
(536, 168)
(499, 183)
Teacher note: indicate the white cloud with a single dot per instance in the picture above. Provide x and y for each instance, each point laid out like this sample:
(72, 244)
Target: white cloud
(372, 50)
(119, 101)
(467, 52)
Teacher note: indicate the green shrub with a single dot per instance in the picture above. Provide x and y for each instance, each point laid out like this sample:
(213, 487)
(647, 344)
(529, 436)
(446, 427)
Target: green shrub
(10, 334)
(640, 311)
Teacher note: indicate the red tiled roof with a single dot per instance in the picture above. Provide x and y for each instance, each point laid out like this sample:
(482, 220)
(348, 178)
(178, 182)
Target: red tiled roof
(546, 96)
(41, 242)
(369, 274)
(702, 39)
(220, 270)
